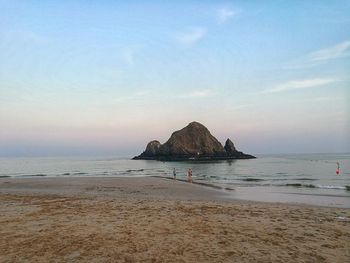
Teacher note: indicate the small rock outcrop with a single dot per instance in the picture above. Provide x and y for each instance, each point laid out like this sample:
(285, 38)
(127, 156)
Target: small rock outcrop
(194, 142)
(230, 147)
(152, 148)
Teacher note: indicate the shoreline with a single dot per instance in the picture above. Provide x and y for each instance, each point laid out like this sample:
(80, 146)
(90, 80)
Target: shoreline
(179, 189)
(159, 220)
(115, 187)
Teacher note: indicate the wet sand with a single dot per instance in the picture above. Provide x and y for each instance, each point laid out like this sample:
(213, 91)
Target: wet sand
(157, 220)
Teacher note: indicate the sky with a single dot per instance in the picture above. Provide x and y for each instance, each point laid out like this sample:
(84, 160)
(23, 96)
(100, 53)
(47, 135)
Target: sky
(107, 77)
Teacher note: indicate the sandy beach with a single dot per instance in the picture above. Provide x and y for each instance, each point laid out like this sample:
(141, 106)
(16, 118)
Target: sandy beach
(159, 220)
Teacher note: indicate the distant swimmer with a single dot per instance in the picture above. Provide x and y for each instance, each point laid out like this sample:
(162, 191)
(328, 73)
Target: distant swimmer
(174, 174)
(338, 169)
(189, 175)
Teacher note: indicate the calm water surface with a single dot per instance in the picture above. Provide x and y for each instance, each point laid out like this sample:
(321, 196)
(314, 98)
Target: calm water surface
(307, 178)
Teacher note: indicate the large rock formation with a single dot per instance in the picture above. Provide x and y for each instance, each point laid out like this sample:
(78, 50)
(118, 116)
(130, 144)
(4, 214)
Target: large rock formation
(194, 142)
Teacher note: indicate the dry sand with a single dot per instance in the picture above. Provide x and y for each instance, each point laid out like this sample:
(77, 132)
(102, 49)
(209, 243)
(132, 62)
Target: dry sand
(157, 220)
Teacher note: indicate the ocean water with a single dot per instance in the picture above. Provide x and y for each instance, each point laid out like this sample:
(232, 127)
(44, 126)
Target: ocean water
(302, 178)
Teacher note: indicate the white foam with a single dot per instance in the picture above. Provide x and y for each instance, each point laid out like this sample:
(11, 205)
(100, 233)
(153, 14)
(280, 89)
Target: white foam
(331, 187)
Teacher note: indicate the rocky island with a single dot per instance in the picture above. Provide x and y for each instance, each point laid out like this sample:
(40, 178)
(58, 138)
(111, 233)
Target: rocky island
(194, 142)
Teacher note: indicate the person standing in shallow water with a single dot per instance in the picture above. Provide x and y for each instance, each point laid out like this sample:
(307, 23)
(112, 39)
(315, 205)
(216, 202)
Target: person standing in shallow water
(337, 172)
(174, 174)
(189, 175)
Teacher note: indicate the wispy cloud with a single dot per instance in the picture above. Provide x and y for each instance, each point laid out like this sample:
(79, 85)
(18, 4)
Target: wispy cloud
(323, 99)
(322, 56)
(128, 56)
(337, 51)
(191, 36)
(138, 95)
(142, 93)
(300, 84)
(199, 94)
(224, 14)
(24, 36)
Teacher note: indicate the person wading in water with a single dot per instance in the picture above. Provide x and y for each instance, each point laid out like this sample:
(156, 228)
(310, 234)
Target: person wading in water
(189, 175)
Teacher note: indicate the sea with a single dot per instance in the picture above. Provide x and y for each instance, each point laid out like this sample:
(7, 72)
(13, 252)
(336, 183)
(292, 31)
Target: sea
(309, 179)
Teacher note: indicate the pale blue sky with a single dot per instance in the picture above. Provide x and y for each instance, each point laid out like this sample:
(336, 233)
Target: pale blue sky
(106, 77)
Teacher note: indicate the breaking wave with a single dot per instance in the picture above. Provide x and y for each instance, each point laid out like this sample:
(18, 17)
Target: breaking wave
(337, 187)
